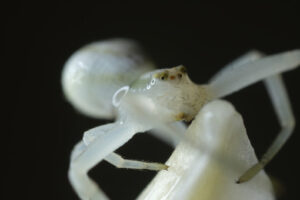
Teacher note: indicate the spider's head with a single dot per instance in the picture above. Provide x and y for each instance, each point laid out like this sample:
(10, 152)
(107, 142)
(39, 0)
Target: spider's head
(172, 74)
(166, 94)
(159, 79)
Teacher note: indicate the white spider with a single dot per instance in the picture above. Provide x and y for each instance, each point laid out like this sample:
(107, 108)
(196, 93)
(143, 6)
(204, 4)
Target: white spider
(156, 100)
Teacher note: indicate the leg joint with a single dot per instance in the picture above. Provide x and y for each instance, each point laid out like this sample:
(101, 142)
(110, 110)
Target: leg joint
(290, 124)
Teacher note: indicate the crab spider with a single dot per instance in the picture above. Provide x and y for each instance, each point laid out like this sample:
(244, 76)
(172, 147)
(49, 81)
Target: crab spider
(157, 99)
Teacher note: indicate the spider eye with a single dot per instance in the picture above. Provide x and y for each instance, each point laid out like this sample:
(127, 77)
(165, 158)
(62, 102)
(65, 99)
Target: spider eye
(162, 75)
(182, 69)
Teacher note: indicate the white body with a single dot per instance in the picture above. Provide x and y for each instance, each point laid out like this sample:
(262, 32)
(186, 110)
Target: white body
(157, 100)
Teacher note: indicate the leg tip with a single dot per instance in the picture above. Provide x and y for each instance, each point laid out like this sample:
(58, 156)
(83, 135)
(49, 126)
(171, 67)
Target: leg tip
(166, 167)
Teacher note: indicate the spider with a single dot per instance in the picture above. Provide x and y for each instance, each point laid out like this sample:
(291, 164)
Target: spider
(113, 78)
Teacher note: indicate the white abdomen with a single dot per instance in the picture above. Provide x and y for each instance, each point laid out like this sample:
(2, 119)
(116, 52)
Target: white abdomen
(92, 74)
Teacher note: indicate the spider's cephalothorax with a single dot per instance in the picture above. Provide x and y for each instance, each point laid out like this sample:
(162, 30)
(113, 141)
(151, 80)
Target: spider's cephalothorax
(168, 94)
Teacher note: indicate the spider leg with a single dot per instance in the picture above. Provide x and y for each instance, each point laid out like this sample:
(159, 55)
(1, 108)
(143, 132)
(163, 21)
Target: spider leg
(117, 160)
(281, 103)
(250, 69)
(120, 162)
(170, 133)
(84, 158)
(98, 144)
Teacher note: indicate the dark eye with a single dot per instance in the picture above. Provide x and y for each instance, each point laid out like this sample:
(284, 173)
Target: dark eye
(183, 69)
(179, 75)
(164, 76)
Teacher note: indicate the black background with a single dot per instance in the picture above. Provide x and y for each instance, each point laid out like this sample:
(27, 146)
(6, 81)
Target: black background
(42, 127)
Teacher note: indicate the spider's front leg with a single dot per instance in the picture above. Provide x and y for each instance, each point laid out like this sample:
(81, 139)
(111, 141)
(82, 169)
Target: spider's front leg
(252, 68)
(98, 144)
(84, 157)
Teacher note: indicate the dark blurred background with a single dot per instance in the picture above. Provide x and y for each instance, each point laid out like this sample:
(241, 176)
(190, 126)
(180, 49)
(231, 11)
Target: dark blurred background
(42, 127)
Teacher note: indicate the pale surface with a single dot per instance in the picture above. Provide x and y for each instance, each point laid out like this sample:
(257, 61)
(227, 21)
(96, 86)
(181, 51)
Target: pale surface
(210, 173)
(95, 72)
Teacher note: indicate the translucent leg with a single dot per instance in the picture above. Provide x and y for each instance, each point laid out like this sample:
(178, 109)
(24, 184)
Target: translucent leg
(250, 69)
(281, 103)
(114, 159)
(90, 135)
(83, 159)
(119, 162)
(171, 133)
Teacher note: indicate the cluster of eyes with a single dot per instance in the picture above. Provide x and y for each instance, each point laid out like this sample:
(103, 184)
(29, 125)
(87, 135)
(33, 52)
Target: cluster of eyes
(163, 76)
